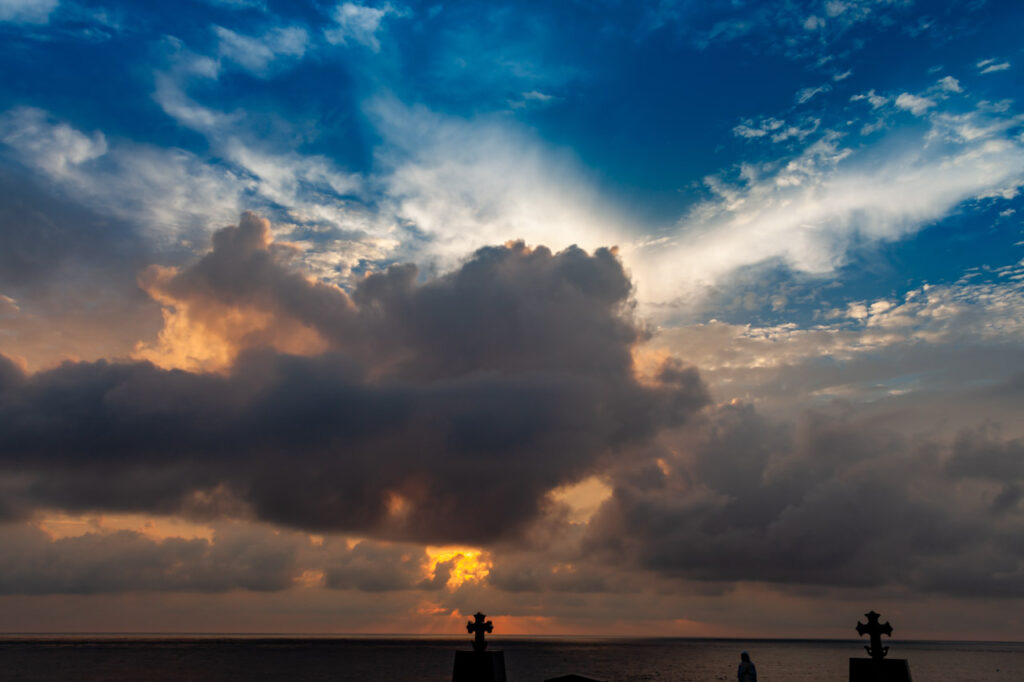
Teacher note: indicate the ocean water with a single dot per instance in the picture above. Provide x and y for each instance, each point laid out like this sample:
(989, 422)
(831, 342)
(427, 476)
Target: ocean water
(115, 658)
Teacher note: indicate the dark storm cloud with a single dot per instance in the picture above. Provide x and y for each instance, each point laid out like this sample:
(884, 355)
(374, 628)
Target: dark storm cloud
(32, 563)
(832, 500)
(380, 567)
(983, 454)
(442, 411)
(508, 309)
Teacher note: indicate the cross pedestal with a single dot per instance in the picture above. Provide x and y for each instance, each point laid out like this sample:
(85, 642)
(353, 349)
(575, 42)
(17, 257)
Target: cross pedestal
(879, 670)
(479, 666)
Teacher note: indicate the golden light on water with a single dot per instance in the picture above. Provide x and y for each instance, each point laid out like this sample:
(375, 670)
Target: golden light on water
(466, 564)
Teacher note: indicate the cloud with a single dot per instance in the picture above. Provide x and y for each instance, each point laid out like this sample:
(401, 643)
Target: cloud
(795, 29)
(256, 54)
(538, 96)
(950, 84)
(777, 129)
(55, 148)
(533, 98)
(72, 273)
(992, 66)
(875, 100)
(837, 500)
(376, 567)
(165, 192)
(914, 104)
(750, 129)
(806, 94)
(935, 354)
(27, 11)
(467, 183)
(500, 381)
(245, 558)
(807, 213)
(813, 23)
(358, 23)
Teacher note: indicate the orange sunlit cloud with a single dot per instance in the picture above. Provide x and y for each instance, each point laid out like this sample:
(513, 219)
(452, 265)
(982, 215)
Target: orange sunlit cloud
(206, 335)
(468, 565)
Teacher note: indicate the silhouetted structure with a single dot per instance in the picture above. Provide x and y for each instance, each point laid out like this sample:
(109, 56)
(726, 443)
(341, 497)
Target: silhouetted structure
(572, 678)
(877, 668)
(479, 665)
(875, 630)
(479, 626)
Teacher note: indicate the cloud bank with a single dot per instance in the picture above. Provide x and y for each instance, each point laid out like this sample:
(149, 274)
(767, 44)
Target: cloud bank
(415, 404)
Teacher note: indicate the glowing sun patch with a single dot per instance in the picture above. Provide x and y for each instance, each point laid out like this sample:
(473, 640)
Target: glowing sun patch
(465, 564)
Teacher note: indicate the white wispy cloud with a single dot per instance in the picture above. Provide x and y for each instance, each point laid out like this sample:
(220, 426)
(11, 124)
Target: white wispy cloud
(810, 211)
(466, 183)
(908, 346)
(913, 103)
(166, 192)
(991, 66)
(171, 195)
(55, 148)
(257, 53)
(800, 30)
(778, 130)
(813, 23)
(533, 98)
(874, 99)
(358, 23)
(751, 129)
(27, 11)
(309, 188)
(951, 84)
(806, 94)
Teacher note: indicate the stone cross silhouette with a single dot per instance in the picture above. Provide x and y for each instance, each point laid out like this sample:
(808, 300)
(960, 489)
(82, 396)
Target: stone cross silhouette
(479, 626)
(875, 630)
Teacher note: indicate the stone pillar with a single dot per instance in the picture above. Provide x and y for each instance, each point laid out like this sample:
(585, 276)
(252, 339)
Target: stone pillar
(879, 670)
(479, 666)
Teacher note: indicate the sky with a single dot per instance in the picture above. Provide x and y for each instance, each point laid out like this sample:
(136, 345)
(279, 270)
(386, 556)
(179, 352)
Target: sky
(602, 317)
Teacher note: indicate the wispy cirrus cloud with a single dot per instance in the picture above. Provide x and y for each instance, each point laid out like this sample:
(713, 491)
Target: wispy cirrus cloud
(806, 94)
(165, 192)
(992, 66)
(809, 211)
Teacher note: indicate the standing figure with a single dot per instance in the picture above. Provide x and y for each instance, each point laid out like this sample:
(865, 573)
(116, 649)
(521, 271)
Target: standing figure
(747, 672)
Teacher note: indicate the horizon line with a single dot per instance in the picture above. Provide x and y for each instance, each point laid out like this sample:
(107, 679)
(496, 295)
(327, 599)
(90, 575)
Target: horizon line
(455, 636)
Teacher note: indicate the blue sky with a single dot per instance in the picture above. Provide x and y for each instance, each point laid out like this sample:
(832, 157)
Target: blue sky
(635, 104)
(817, 206)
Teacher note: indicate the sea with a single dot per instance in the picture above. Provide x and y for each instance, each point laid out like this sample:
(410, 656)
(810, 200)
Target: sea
(220, 658)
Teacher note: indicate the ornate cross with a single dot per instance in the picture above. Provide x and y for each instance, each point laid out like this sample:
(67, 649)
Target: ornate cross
(875, 630)
(479, 626)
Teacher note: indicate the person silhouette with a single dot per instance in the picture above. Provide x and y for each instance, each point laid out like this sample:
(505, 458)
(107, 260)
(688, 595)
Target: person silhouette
(747, 672)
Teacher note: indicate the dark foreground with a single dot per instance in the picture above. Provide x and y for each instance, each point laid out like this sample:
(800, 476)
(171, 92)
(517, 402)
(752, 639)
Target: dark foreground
(255, 659)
